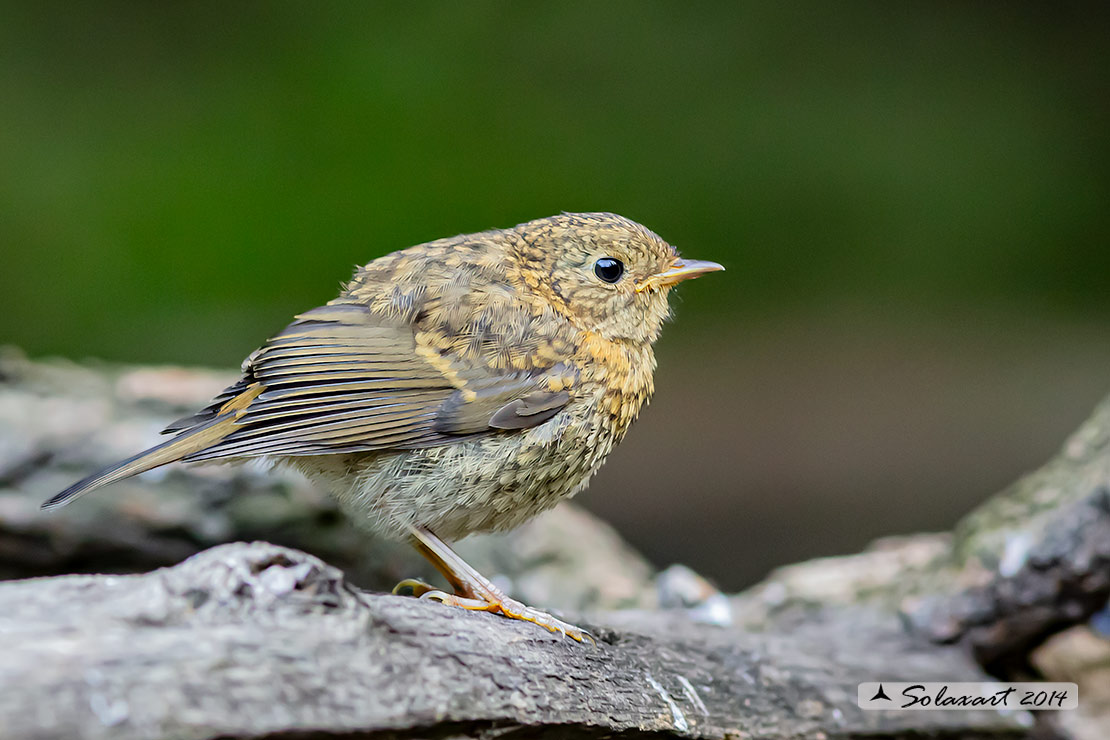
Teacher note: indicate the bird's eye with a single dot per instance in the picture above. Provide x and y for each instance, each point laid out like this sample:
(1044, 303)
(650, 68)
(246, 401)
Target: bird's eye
(609, 269)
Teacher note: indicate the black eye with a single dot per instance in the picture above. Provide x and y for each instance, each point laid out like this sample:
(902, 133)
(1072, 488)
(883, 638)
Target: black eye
(609, 269)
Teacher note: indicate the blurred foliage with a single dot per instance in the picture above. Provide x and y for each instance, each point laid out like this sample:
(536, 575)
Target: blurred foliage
(177, 179)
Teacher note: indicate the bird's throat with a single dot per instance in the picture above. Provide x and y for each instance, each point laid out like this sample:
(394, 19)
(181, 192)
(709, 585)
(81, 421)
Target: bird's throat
(624, 371)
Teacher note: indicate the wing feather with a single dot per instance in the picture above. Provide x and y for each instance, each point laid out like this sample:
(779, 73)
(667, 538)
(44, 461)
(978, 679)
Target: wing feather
(342, 379)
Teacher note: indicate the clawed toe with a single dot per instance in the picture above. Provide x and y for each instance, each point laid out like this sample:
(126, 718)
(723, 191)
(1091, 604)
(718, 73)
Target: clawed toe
(503, 605)
(516, 610)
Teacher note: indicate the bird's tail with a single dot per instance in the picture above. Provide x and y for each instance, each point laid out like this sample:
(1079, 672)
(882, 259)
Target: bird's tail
(193, 440)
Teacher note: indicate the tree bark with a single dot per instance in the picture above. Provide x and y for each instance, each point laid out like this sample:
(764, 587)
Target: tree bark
(254, 640)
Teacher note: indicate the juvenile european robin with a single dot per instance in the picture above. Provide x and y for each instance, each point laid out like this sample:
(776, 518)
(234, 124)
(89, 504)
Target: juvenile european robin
(459, 386)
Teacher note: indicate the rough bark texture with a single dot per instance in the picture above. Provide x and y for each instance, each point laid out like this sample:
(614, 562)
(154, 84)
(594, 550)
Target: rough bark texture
(250, 640)
(259, 640)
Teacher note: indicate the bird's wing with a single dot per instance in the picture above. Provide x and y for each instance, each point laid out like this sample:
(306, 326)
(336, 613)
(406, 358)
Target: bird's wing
(344, 379)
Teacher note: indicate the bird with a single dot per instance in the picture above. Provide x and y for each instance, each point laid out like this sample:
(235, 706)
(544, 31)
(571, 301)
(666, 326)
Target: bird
(459, 386)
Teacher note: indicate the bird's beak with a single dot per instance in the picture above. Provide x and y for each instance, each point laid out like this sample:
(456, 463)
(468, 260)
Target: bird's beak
(679, 271)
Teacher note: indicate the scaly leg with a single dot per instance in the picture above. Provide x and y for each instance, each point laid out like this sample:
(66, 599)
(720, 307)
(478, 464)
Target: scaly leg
(475, 591)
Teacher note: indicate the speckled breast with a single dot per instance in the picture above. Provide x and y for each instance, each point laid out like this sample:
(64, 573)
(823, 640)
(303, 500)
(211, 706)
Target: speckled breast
(483, 484)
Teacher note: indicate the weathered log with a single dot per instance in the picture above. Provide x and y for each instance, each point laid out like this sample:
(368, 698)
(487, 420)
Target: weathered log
(253, 640)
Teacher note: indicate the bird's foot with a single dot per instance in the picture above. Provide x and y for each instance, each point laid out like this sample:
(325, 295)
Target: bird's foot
(512, 609)
(476, 592)
(497, 603)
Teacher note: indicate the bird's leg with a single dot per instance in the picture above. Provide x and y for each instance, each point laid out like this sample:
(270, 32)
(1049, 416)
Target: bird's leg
(475, 591)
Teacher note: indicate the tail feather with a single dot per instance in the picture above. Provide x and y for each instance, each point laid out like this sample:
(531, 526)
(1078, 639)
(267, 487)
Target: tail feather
(194, 440)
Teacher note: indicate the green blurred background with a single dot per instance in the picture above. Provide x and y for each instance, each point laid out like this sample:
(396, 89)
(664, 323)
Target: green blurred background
(911, 200)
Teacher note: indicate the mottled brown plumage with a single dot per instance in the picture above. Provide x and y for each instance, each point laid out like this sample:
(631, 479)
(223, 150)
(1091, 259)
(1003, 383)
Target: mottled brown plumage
(459, 386)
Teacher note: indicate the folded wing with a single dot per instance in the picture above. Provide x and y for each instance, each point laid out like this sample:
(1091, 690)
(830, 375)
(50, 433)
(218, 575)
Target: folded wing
(341, 379)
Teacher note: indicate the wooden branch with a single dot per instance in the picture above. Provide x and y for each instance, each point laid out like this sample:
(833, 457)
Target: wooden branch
(253, 640)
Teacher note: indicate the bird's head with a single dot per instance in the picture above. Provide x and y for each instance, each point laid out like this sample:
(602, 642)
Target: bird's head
(606, 274)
